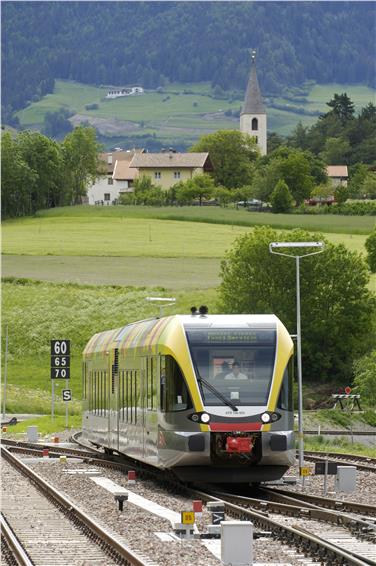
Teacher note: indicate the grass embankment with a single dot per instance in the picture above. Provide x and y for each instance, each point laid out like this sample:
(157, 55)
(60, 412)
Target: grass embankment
(39, 312)
(46, 425)
(341, 445)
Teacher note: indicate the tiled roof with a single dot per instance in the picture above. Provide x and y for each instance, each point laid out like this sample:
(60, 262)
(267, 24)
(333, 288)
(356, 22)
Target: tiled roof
(121, 155)
(122, 171)
(169, 159)
(253, 103)
(337, 171)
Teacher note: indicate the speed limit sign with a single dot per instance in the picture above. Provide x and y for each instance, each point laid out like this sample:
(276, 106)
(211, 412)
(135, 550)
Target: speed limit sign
(60, 359)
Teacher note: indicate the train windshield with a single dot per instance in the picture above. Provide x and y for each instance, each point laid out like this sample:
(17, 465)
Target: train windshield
(238, 363)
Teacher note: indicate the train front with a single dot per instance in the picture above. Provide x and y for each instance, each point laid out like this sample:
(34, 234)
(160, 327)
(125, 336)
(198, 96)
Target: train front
(240, 389)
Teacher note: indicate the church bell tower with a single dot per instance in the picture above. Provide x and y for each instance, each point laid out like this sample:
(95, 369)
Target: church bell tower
(253, 114)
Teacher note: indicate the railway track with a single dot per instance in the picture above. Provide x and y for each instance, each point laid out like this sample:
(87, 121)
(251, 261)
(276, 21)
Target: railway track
(318, 547)
(326, 549)
(361, 462)
(285, 496)
(293, 507)
(50, 528)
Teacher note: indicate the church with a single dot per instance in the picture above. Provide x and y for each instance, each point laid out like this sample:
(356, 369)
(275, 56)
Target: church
(253, 113)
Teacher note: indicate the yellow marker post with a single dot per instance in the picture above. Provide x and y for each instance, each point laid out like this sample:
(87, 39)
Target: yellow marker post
(305, 471)
(187, 517)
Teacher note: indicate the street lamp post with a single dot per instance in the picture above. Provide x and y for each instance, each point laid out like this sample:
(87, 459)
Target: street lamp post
(283, 245)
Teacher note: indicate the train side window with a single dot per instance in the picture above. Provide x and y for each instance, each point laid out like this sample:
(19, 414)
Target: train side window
(135, 389)
(121, 394)
(150, 381)
(174, 391)
(84, 380)
(127, 396)
(131, 397)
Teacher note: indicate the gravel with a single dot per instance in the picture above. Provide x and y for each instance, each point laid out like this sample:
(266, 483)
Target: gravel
(138, 527)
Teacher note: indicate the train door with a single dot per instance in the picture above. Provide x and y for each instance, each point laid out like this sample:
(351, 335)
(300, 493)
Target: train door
(113, 405)
(143, 401)
(150, 404)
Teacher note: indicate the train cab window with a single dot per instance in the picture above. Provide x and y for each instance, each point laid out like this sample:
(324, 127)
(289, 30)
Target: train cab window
(285, 400)
(174, 391)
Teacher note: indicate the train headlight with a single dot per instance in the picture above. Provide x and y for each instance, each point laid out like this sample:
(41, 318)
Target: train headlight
(275, 417)
(205, 418)
(195, 417)
(265, 417)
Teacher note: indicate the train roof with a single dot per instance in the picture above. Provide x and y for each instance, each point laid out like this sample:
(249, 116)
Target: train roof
(156, 330)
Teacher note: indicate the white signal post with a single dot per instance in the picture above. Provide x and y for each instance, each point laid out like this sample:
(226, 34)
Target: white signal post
(168, 301)
(276, 248)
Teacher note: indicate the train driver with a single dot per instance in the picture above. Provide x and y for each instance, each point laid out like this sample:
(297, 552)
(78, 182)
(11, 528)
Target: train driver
(236, 373)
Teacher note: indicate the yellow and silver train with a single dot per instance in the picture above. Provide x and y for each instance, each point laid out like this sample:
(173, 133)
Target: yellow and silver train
(208, 397)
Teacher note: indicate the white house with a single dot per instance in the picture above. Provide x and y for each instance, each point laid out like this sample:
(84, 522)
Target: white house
(128, 91)
(115, 178)
(338, 174)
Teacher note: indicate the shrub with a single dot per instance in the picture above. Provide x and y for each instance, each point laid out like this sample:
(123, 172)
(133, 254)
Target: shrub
(371, 249)
(281, 198)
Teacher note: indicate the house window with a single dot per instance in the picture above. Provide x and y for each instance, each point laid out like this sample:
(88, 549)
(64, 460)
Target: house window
(176, 174)
(157, 175)
(254, 124)
(107, 196)
(110, 181)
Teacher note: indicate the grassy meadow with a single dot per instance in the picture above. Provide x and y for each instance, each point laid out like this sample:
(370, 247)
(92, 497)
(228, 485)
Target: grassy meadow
(180, 112)
(74, 271)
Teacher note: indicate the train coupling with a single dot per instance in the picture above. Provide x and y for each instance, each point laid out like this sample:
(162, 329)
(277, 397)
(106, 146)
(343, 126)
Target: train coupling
(239, 444)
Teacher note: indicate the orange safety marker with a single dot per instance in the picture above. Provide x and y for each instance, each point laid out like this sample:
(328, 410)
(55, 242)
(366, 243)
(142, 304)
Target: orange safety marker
(197, 506)
(5, 429)
(45, 452)
(56, 439)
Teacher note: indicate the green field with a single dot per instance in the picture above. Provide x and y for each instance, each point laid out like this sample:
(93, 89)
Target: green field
(182, 111)
(96, 266)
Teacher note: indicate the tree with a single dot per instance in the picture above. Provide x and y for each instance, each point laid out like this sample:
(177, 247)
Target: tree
(368, 187)
(281, 197)
(57, 124)
(81, 161)
(365, 377)
(223, 195)
(371, 251)
(342, 107)
(341, 194)
(358, 173)
(199, 187)
(44, 156)
(17, 179)
(337, 309)
(232, 154)
(336, 151)
(295, 167)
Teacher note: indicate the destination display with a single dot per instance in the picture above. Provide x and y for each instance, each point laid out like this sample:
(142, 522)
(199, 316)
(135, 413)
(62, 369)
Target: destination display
(233, 336)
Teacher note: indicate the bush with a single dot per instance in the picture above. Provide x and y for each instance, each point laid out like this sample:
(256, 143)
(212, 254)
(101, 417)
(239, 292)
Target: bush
(91, 107)
(360, 208)
(281, 198)
(371, 249)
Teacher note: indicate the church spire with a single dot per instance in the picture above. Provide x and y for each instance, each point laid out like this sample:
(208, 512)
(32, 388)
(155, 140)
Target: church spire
(253, 119)
(253, 103)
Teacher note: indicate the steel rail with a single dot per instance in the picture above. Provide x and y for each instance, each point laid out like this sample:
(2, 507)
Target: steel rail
(358, 527)
(55, 448)
(313, 545)
(345, 459)
(16, 548)
(341, 432)
(328, 503)
(124, 553)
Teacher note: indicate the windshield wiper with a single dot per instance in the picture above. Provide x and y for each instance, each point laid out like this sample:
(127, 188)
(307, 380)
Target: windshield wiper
(217, 393)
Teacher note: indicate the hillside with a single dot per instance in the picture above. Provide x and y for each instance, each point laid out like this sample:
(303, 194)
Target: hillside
(178, 114)
(156, 43)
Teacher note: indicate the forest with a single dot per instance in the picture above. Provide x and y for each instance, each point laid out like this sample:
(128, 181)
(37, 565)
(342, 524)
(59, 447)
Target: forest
(154, 43)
